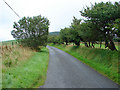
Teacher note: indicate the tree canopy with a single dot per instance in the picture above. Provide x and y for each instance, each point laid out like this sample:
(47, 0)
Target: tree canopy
(102, 15)
(31, 31)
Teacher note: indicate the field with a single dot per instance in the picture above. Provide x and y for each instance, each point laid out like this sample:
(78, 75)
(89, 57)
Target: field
(98, 45)
(102, 60)
(23, 67)
(9, 42)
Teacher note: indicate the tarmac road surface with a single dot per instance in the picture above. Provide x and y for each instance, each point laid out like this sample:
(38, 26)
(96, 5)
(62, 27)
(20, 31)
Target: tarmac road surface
(65, 71)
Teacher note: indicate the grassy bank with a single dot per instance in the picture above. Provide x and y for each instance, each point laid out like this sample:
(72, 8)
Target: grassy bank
(102, 60)
(29, 71)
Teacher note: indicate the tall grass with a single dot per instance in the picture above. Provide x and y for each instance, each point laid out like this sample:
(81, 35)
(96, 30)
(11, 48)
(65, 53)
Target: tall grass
(102, 60)
(13, 55)
(23, 67)
(28, 74)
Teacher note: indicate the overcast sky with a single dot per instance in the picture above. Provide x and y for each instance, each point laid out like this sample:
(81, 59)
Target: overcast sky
(59, 13)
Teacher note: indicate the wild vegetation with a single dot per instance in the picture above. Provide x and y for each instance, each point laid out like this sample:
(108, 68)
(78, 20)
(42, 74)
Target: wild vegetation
(12, 55)
(23, 67)
(25, 60)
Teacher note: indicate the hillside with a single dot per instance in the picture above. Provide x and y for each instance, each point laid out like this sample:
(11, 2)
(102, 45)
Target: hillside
(54, 33)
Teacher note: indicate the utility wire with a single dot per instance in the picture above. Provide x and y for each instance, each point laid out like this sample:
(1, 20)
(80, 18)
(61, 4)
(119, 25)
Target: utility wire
(11, 8)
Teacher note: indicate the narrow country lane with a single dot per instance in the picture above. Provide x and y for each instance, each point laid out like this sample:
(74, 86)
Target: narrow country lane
(65, 71)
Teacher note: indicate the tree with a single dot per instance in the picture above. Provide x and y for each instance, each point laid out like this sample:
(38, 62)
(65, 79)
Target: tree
(65, 35)
(101, 15)
(76, 38)
(31, 31)
(116, 29)
(55, 39)
(88, 32)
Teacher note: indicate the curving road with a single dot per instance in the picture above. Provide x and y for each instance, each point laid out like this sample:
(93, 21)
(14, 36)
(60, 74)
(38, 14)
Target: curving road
(65, 71)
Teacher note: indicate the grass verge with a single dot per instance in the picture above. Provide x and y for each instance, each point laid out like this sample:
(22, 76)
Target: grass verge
(28, 74)
(102, 60)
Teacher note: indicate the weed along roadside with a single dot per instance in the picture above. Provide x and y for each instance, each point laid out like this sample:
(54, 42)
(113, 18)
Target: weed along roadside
(102, 60)
(29, 72)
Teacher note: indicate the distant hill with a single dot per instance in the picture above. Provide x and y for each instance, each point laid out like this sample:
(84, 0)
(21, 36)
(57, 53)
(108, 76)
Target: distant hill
(54, 33)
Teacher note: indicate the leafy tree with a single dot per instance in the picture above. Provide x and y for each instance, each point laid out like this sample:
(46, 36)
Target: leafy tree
(101, 15)
(54, 39)
(50, 38)
(75, 37)
(88, 33)
(116, 29)
(31, 31)
(65, 35)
